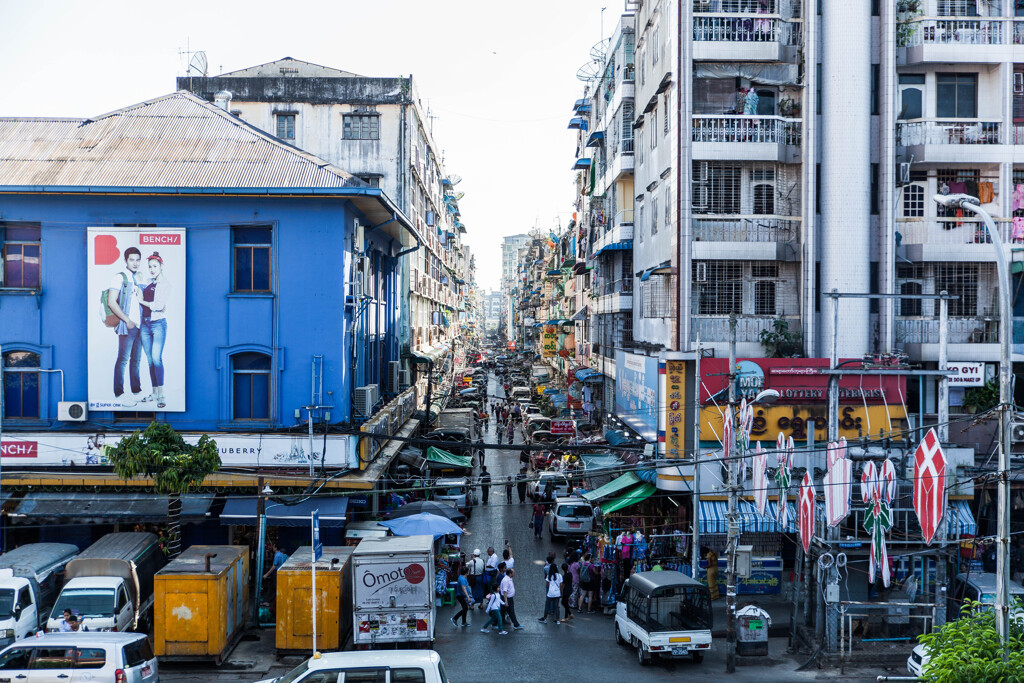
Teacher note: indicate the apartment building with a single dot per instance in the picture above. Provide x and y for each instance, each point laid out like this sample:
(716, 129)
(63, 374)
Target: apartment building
(510, 277)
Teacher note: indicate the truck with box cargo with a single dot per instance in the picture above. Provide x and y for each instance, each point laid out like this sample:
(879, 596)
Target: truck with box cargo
(110, 584)
(393, 590)
(201, 603)
(31, 577)
(333, 604)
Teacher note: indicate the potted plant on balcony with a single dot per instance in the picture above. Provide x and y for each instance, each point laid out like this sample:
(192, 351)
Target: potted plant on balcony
(980, 399)
(779, 342)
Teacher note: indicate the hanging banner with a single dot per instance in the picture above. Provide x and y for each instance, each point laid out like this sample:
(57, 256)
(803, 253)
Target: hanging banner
(877, 488)
(759, 476)
(783, 476)
(135, 327)
(672, 433)
(838, 483)
(805, 512)
(929, 484)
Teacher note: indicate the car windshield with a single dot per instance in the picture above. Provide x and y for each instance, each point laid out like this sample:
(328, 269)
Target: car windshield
(679, 608)
(6, 603)
(575, 511)
(454, 491)
(86, 602)
(294, 674)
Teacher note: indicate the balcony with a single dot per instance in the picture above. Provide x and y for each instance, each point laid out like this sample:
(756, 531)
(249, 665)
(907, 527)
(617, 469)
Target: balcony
(742, 36)
(746, 138)
(954, 239)
(620, 230)
(713, 331)
(974, 338)
(953, 40)
(613, 296)
(953, 140)
(746, 238)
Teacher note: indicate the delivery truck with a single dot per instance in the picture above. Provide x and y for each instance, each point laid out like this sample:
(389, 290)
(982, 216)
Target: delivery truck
(110, 584)
(393, 591)
(30, 580)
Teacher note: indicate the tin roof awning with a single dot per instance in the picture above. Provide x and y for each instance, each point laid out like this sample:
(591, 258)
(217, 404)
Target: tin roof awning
(242, 511)
(581, 164)
(105, 508)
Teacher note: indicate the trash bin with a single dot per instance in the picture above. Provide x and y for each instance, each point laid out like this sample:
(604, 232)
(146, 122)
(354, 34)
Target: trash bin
(752, 631)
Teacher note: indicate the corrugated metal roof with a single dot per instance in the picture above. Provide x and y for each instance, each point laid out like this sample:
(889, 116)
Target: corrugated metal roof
(178, 140)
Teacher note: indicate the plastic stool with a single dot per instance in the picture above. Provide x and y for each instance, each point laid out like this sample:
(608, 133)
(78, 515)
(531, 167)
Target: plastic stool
(448, 598)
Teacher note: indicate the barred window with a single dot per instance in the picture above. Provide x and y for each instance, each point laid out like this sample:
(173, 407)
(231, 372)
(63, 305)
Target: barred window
(959, 279)
(716, 187)
(658, 294)
(913, 200)
(718, 286)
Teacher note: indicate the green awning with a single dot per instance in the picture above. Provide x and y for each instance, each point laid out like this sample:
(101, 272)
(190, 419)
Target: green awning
(614, 486)
(446, 458)
(633, 496)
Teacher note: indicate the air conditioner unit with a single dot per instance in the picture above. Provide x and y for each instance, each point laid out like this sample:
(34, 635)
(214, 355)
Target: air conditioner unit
(72, 411)
(1017, 434)
(904, 174)
(403, 379)
(366, 399)
(394, 367)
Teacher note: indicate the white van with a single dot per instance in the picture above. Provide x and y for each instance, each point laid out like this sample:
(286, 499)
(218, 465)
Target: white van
(570, 517)
(455, 492)
(979, 587)
(80, 656)
(664, 614)
(393, 666)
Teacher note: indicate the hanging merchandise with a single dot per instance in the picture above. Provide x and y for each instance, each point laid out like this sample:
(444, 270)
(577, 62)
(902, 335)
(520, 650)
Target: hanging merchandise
(760, 479)
(728, 433)
(805, 513)
(877, 487)
(838, 483)
(929, 484)
(783, 477)
(746, 423)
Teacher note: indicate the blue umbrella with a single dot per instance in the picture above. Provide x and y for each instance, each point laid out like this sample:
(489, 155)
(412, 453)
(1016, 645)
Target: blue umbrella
(467, 391)
(422, 524)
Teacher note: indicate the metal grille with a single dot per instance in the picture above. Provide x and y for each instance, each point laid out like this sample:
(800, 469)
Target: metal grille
(764, 298)
(954, 175)
(957, 8)
(764, 269)
(659, 296)
(719, 287)
(913, 201)
(960, 279)
(1018, 176)
(716, 187)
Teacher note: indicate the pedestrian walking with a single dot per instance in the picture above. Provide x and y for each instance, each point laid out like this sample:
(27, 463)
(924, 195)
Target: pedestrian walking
(574, 570)
(538, 519)
(507, 555)
(588, 584)
(553, 593)
(521, 485)
(508, 593)
(476, 577)
(508, 490)
(501, 434)
(485, 483)
(490, 567)
(510, 432)
(464, 597)
(567, 586)
(494, 606)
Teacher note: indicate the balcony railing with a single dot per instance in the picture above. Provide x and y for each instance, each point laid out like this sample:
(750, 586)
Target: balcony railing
(708, 228)
(741, 128)
(745, 28)
(623, 286)
(960, 330)
(955, 231)
(952, 31)
(627, 146)
(736, 6)
(748, 328)
(947, 132)
(623, 217)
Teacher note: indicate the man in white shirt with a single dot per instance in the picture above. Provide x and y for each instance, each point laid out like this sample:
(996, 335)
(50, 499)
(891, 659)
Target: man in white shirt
(491, 568)
(476, 578)
(508, 592)
(123, 301)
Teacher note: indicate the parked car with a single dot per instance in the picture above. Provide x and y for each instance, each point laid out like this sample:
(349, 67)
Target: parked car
(918, 660)
(80, 656)
(664, 614)
(535, 423)
(456, 492)
(422, 666)
(570, 517)
(557, 481)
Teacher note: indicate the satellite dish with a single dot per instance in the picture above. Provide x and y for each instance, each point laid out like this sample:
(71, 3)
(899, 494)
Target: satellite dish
(197, 65)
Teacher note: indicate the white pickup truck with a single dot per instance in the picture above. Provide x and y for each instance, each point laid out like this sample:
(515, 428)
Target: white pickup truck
(31, 576)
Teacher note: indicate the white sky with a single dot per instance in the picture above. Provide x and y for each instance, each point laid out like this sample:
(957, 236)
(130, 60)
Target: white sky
(501, 77)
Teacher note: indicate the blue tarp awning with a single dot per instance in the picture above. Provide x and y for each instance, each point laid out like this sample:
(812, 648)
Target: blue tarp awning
(242, 511)
(596, 138)
(624, 245)
(646, 275)
(588, 375)
(578, 122)
(581, 105)
(581, 164)
(550, 390)
(616, 437)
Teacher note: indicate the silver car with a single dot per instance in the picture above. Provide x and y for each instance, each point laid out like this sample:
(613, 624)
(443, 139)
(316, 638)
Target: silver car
(80, 656)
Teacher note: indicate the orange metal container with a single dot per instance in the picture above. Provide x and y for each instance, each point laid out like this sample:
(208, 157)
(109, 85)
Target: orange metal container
(334, 600)
(201, 604)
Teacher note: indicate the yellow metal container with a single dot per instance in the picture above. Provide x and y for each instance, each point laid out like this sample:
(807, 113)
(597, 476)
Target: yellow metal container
(334, 600)
(202, 602)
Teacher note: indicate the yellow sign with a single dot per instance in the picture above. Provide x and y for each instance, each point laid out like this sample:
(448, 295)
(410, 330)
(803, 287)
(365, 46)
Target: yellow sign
(674, 425)
(875, 422)
(549, 343)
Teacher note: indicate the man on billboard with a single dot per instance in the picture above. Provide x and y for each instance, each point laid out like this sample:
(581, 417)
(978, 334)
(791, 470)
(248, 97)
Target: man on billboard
(123, 301)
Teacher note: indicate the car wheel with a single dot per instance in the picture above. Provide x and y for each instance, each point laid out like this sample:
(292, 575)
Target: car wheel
(698, 657)
(619, 640)
(642, 654)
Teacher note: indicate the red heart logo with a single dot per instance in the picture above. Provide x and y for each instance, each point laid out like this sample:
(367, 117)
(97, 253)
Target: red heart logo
(415, 573)
(105, 250)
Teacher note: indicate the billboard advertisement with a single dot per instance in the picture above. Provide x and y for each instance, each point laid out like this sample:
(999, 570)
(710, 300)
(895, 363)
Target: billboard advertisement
(672, 435)
(549, 342)
(798, 381)
(136, 319)
(636, 393)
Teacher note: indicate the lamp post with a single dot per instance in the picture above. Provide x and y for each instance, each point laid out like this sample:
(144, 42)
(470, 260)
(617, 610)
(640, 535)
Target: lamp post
(766, 396)
(970, 203)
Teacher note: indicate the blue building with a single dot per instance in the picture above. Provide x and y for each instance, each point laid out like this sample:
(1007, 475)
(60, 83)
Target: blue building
(266, 281)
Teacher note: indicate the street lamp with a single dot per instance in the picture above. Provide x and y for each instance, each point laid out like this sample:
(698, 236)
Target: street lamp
(969, 203)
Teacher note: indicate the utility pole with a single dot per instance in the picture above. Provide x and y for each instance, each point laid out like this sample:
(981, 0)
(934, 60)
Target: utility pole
(733, 514)
(695, 553)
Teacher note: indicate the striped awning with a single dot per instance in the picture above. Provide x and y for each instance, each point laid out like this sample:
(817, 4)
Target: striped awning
(714, 520)
(959, 520)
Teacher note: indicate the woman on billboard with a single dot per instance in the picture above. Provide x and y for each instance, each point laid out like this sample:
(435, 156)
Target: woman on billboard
(153, 328)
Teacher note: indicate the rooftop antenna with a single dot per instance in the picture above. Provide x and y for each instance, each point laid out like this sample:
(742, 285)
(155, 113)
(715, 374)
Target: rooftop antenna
(196, 64)
(431, 118)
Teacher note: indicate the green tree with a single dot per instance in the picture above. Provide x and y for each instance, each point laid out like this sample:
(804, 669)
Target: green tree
(176, 467)
(968, 649)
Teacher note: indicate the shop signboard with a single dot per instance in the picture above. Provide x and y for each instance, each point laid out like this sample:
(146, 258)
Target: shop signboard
(672, 432)
(135, 331)
(87, 449)
(549, 342)
(636, 393)
(563, 427)
(970, 374)
(765, 576)
(855, 422)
